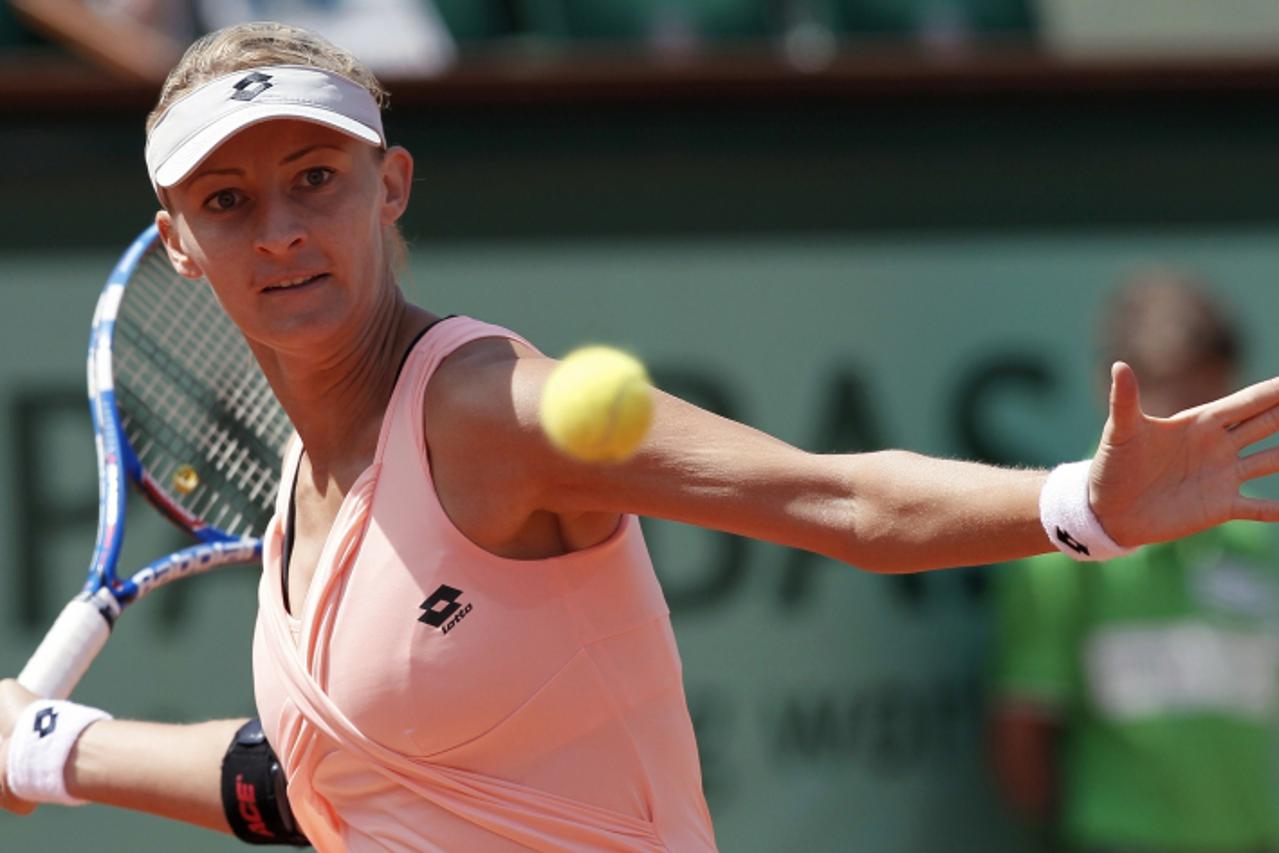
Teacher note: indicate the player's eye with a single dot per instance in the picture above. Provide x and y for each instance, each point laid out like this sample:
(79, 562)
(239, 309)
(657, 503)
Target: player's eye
(317, 176)
(223, 200)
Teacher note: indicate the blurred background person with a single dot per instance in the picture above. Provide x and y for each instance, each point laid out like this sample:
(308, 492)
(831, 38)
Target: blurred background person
(143, 38)
(395, 38)
(1134, 703)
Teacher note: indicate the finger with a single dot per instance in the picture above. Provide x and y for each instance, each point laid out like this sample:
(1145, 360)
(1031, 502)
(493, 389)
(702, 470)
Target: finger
(1125, 403)
(1246, 403)
(13, 699)
(1255, 428)
(1263, 463)
(1255, 509)
(16, 806)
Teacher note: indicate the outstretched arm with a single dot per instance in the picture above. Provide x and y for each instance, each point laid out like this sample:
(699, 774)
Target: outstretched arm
(1153, 478)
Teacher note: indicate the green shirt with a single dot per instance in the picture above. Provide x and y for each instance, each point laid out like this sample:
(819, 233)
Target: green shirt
(1162, 667)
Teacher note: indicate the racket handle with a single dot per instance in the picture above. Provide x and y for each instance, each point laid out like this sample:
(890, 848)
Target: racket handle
(66, 651)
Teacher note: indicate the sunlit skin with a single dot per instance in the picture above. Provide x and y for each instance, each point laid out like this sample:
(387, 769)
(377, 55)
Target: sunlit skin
(285, 199)
(288, 200)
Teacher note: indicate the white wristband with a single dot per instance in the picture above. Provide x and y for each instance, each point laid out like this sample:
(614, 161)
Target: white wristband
(41, 742)
(1068, 517)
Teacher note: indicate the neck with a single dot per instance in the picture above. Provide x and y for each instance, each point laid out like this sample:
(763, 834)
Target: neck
(337, 402)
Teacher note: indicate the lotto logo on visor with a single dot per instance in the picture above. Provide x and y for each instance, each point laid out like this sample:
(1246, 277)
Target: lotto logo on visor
(252, 86)
(198, 122)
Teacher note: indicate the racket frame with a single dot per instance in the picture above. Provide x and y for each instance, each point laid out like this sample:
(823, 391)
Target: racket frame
(80, 631)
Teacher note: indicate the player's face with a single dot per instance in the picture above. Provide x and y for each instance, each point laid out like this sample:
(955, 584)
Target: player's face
(287, 220)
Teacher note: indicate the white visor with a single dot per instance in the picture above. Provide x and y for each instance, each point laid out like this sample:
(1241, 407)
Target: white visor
(194, 125)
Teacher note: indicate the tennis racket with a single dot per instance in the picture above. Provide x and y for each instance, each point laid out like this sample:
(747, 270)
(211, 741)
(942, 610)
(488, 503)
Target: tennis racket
(181, 410)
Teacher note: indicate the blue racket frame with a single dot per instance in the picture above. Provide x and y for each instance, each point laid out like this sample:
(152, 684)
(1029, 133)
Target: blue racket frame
(117, 462)
(81, 630)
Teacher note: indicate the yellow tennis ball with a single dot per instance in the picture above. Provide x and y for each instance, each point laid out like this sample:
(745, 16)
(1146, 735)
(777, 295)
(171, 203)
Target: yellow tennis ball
(597, 404)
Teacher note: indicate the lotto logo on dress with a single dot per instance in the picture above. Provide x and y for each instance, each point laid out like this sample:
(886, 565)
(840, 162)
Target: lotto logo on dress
(443, 610)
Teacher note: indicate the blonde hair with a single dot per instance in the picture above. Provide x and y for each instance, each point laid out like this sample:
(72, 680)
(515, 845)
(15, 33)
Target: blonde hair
(259, 43)
(253, 45)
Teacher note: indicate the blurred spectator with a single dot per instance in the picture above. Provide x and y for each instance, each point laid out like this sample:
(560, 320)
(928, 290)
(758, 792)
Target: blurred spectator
(395, 38)
(935, 21)
(1135, 701)
(143, 38)
(128, 38)
(413, 38)
(173, 18)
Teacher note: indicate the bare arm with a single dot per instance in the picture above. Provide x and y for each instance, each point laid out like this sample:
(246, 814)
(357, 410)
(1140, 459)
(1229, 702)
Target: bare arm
(889, 511)
(1153, 479)
(173, 771)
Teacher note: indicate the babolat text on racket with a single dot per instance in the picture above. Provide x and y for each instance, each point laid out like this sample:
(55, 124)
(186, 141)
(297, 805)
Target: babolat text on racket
(181, 410)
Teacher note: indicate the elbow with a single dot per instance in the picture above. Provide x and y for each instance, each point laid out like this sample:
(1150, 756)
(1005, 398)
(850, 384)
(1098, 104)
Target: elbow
(871, 539)
(887, 530)
(861, 510)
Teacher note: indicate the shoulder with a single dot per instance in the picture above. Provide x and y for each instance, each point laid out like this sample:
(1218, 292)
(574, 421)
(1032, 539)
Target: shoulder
(480, 410)
(486, 382)
(487, 455)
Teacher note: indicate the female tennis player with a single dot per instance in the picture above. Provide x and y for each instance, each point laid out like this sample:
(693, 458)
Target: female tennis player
(460, 642)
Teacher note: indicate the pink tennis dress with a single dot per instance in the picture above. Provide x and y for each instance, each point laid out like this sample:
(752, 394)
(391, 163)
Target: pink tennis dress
(432, 696)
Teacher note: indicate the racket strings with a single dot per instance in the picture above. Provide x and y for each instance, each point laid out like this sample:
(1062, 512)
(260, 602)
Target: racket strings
(195, 407)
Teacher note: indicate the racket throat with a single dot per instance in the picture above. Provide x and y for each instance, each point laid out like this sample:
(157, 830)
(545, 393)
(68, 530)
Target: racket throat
(106, 603)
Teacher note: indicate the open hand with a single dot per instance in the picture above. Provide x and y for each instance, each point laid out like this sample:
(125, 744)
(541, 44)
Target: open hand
(1155, 479)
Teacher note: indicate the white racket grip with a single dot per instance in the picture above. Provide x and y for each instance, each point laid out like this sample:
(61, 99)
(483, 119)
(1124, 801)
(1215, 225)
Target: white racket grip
(73, 641)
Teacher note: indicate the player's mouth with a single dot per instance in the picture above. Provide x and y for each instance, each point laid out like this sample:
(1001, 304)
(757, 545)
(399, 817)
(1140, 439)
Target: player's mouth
(297, 282)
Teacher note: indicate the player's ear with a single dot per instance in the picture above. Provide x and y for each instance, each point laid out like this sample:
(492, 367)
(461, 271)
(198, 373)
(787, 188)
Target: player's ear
(397, 181)
(182, 262)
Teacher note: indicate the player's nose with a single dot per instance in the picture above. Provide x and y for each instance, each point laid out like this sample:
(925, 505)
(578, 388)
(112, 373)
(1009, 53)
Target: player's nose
(279, 230)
